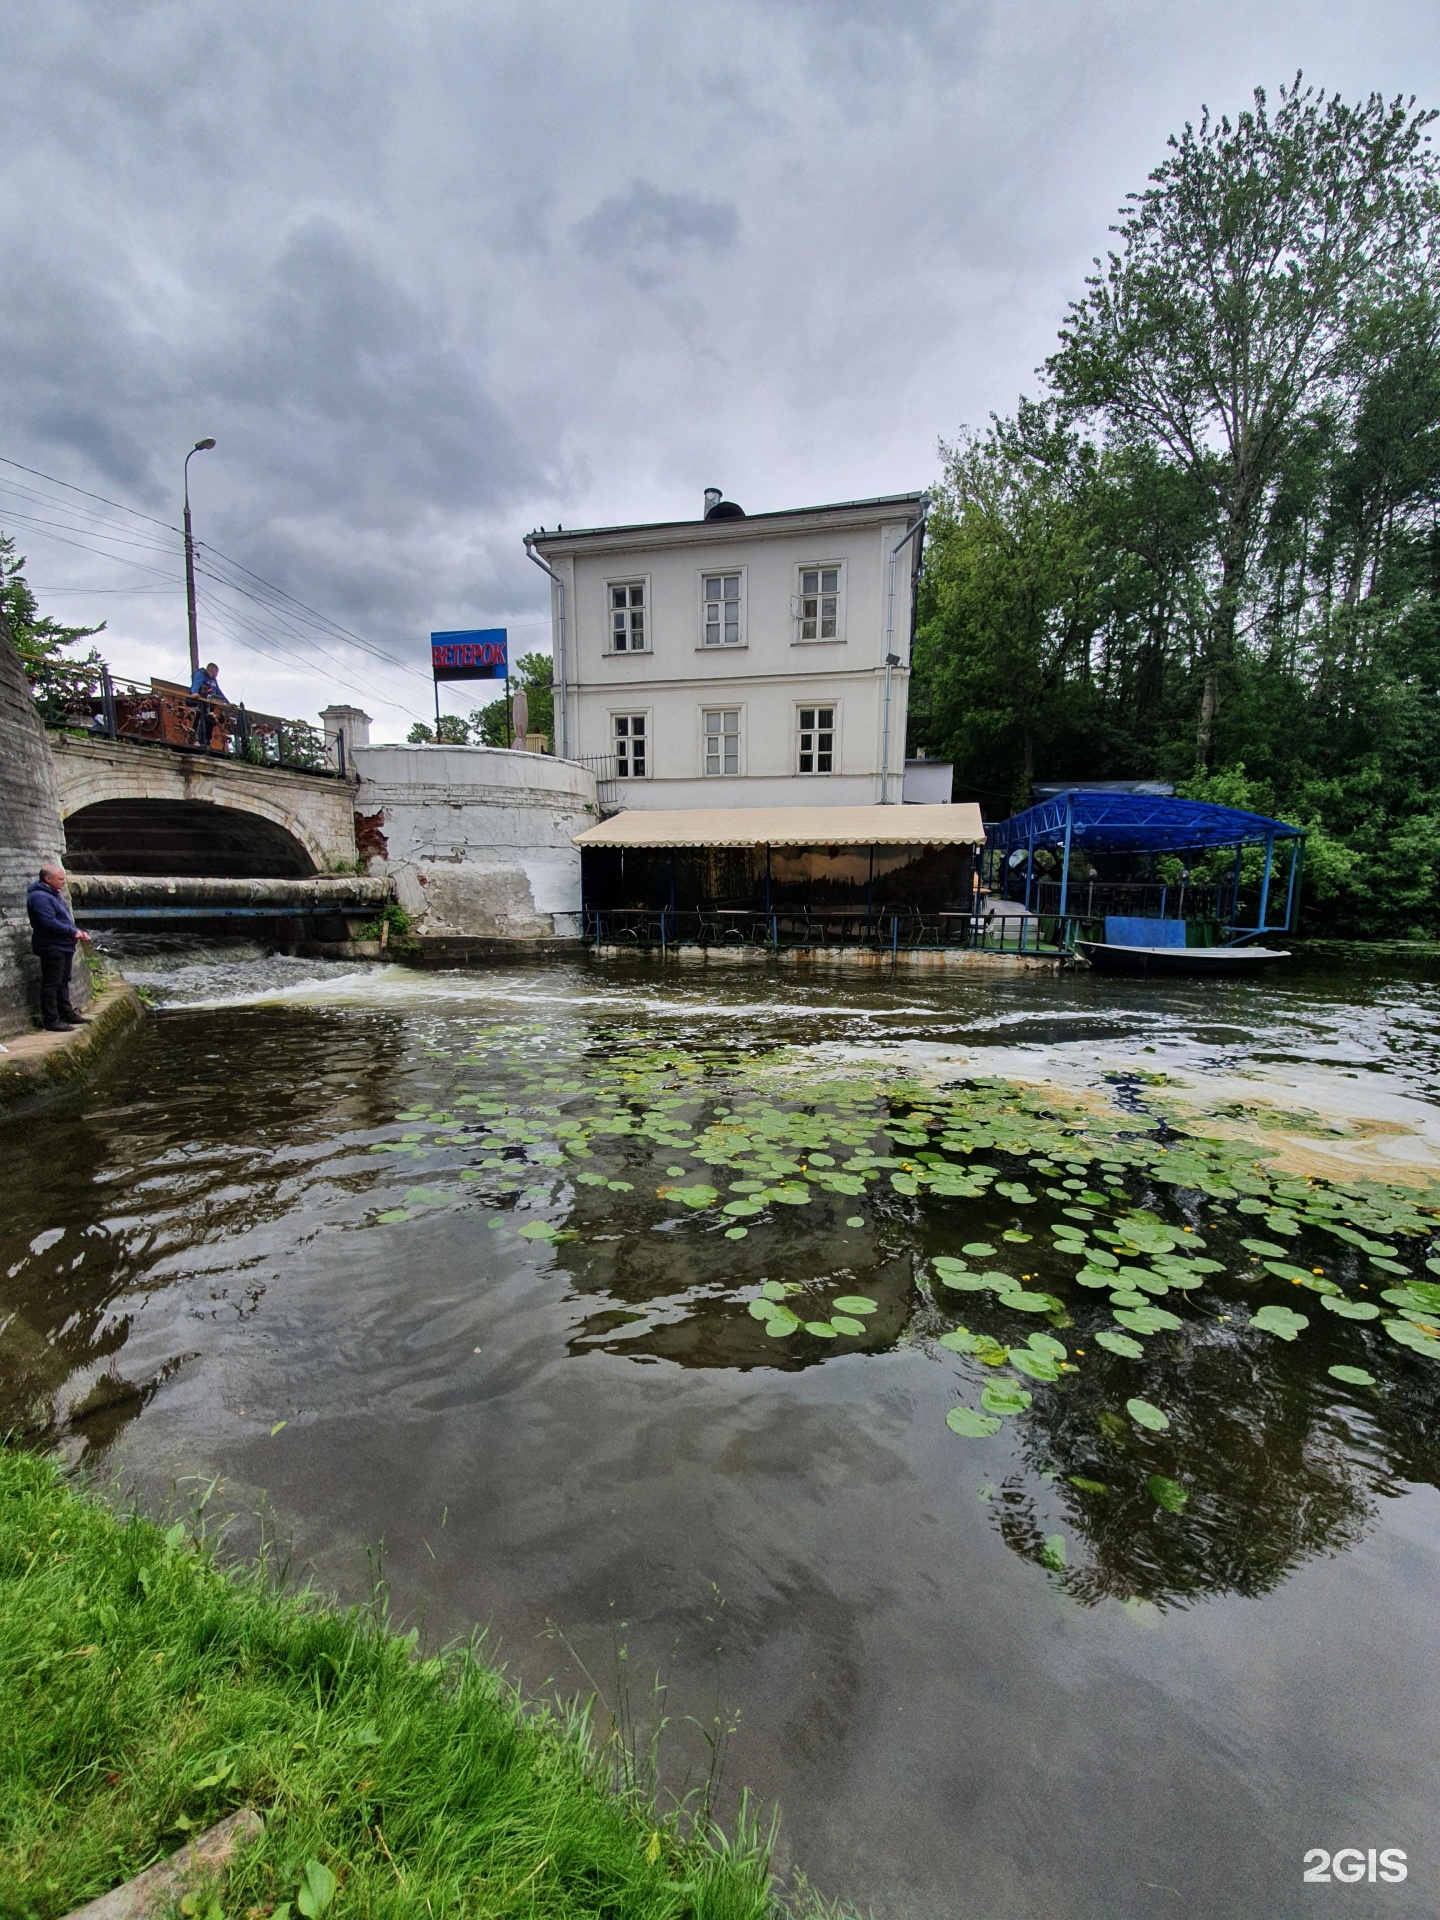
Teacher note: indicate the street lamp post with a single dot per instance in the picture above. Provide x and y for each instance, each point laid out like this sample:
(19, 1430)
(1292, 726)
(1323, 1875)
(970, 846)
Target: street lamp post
(200, 446)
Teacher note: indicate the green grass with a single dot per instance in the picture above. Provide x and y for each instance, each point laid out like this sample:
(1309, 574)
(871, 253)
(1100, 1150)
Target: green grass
(145, 1692)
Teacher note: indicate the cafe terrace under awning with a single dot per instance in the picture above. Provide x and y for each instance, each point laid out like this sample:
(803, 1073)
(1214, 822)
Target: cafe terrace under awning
(789, 827)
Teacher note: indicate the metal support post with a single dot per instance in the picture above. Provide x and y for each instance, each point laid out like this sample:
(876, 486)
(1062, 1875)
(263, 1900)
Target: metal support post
(1065, 869)
(1292, 902)
(1265, 883)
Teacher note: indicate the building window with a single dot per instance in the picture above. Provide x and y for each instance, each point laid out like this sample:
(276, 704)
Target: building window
(818, 606)
(629, 746)
(722, 740)
(816, 740)
(722, 609)
(627, 616)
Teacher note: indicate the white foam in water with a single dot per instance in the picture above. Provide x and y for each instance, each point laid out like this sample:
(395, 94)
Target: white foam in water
(1367, 1068)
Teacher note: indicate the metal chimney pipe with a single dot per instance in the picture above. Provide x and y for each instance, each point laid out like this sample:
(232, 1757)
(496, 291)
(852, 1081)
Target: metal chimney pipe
(713, 497)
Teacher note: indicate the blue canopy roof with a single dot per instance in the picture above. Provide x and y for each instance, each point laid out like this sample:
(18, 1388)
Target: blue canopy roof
(1134, 823)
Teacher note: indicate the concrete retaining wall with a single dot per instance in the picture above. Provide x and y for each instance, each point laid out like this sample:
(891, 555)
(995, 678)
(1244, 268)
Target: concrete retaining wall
(30, 830)
(476, 839)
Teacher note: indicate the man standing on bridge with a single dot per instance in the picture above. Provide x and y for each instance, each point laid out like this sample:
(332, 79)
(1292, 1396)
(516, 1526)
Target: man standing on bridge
(53, 934)
(206, 687)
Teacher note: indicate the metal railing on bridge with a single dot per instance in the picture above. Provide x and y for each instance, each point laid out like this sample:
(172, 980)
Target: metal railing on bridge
(166, 714)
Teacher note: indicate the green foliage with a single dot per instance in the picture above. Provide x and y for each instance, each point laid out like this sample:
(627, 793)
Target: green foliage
(532, 671)
(1211, 548)
(453, 732)
(400, 939)
(144, 1694)
(41, 642)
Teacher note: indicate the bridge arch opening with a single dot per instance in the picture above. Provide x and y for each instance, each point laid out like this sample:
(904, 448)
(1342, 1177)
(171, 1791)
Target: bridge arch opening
(183, 838)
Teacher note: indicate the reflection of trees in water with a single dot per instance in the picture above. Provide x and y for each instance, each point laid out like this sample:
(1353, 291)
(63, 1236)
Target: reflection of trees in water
(194, 1135)
(674, 1281)
(1274, 1475)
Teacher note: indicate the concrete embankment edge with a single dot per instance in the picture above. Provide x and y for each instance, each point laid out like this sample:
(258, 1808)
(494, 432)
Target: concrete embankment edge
(39, 1062)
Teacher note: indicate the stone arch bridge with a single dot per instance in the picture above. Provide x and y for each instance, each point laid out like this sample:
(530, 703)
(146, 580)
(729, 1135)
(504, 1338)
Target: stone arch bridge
(155, 835)
(134, 808)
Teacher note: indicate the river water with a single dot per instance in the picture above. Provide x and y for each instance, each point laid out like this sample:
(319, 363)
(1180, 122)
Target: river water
(602, 1300)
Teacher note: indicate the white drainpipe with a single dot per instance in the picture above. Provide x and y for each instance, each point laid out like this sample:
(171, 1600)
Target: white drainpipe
(892, 659)
(562, 730)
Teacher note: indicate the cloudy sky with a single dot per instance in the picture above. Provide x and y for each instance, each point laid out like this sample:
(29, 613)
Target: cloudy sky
(437, 273)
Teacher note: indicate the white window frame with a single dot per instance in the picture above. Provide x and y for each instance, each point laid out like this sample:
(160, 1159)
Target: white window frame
(630, 715)
(832, 707)
(641, 580)
(720, 772)
(797, 605)
(722, 572)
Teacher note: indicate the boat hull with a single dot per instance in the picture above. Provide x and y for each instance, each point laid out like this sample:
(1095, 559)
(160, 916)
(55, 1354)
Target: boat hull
(1221, 962)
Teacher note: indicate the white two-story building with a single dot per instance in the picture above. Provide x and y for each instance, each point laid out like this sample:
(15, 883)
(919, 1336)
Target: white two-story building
(738, 660)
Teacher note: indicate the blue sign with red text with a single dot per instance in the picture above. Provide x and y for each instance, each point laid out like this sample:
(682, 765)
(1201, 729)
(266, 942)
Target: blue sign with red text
(475, 655)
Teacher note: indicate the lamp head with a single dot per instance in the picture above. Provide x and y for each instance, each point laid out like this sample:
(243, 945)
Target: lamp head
(202, 446)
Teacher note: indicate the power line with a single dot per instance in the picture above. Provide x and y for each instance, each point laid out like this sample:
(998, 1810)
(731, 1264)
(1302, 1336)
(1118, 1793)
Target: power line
(274, 600)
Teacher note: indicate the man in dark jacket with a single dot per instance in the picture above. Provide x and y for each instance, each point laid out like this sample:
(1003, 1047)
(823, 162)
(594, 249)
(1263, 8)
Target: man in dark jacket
(53, 934)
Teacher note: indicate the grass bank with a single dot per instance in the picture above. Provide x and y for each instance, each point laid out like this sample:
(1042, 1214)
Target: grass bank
(145, 1692)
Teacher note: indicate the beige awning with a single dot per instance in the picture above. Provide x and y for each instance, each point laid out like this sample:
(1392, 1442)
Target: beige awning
(789, 827)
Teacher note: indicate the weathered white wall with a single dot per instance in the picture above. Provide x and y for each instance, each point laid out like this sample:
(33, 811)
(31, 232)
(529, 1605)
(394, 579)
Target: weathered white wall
(476, 839)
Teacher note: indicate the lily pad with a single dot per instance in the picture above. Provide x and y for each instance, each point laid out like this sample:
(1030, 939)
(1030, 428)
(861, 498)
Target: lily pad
(392, 1214)
(695, 1197)
(736, 1233)
(961, 1340)
(1350, 1309)
(978, 1250)
(1166, 1493)
(821, 1329)
(1002, 1396)
(855, 1220)
(1149, 1319)
(1144, 1415)
(842, 1323)
(1088, 1486)
(970, 1422)
(1047, 1343)
(1409, 1335)
(1352, 1376)
(1039, 1366)
(1024, 1302)
(855, 1303)
(1016, 1191)
(1094, 1277)
(1052, 1554)
(1281, 1321)
(1120, 1343)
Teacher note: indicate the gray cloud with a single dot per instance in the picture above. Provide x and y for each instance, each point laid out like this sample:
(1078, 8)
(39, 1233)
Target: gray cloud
(647, 221)
(435, 274)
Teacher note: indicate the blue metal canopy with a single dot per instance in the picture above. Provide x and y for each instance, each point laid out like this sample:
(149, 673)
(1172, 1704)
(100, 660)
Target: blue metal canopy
(1134, 823)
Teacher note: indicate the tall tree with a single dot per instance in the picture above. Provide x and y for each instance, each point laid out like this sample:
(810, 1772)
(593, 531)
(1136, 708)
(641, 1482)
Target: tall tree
(41, 642)
(1224, 321)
